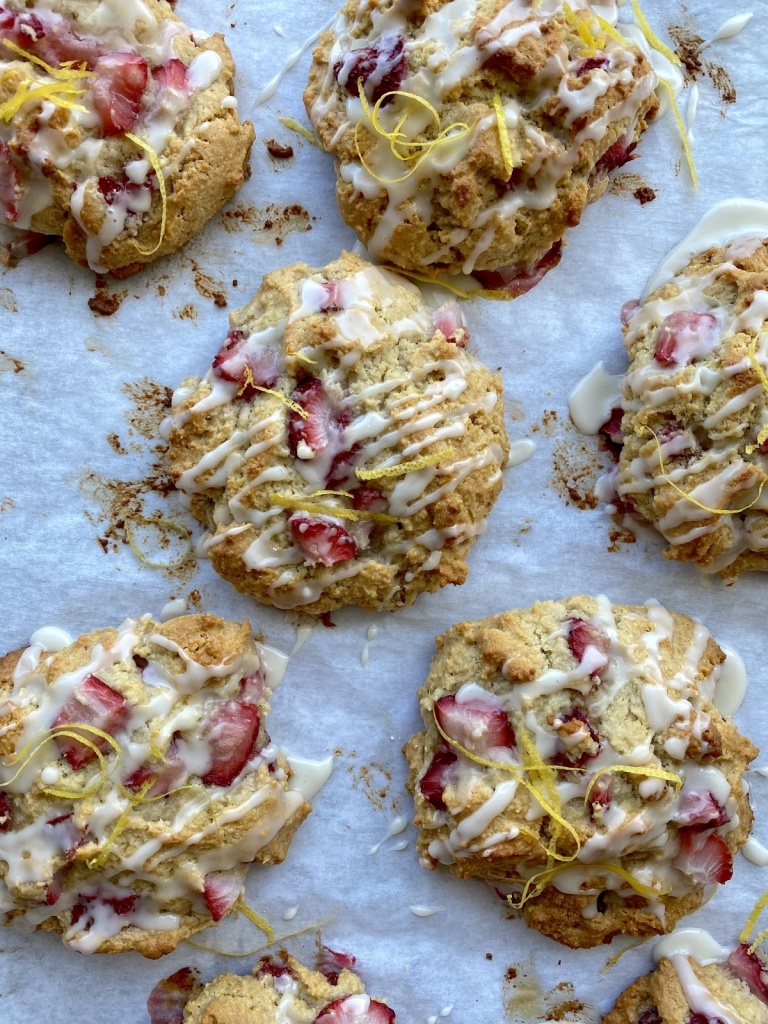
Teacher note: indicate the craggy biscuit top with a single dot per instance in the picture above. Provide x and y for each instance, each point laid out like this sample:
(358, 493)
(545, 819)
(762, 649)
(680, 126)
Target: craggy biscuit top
(138, 781)
(344, 446)
(693, 422)
(697, 981)
(573, 750)
(280, 989)
(471, 133)
(95, 97)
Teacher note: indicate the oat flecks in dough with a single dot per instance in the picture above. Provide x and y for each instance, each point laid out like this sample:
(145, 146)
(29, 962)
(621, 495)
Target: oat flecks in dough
(691, 381)
(117, 869)
(371, 393)
(566, 689)
(571, 113)
(74, 174)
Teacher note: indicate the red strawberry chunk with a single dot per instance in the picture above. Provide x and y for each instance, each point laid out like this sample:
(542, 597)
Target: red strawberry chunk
(700, 810)
(64, 833)
(449, 320)
(332, 962)
(172, 75)
(231, 731)
(240, 354)
(381, 66)
(313, 434)
(628, 309)
(356, 1010)
(169, 997)
(121, 905)
(704, 1018)
(269, 965)
(600, 798)
(369, 499)
(22, 29)
(118, 90)
(94, 703)
(221, 890)
(341, 475)
(589, 646)
(591, 64)
(322, 541)
(612, 426)
(751, 969)
(23, 243)
(333, 299)
(615, 156)
(584, 740)
(705, 858)
(474, 724)
(518, 280)
(168, 774)
(650, 1015)
(252, 687)
(5, 812)
(9, 182)
(441, 773)
(685, 337)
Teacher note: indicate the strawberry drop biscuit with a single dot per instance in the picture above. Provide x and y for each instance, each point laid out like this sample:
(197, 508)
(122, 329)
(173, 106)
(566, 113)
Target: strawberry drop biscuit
(139, 782)
(80, 82)
(573, 756)
(694, 411)
(697, 981)
(469, 136)
(279, 989)
(344, 447)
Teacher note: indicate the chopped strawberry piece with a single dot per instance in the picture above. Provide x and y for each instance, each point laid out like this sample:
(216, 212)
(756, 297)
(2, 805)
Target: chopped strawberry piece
(269, 965)
(612, 426)
(449, 320)
(112, 189)
(221, 890)
(21, 29)
(93, 703)
(231, 731)
(327, 621)
(685, 337)
(589, 645)
(169, 997)
(368, 499)
(705, 858)
(615, 156)
(172, 75)
(704, 1018)
(342, 472)
(322, 541)
(139, 662)
(474, 724)
(518, 280)
(381, 66)
(9, 183)
(5, 812)
(600, 797)
(319, 428)
(53, 892)
(118, 90)
(168, 774)
(583, 749)
(628, 309)
(63, 832)
(700, 810)
(332, 962)
(751, 969)
(591, 64)
(245, 362)
(252, 687)
(121, 905)
(332, 300)
(23, 243)
(356, 1010)
(650, 1015)
(441, 773)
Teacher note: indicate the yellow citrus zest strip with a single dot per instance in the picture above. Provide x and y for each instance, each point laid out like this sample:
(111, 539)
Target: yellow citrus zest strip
(304, 359)
(155, 161)
(160, 522)
(651, 36)
(539, 881)
(581, 26)
(302, 505)
(65, 73)
(763, 435)
(404, 467)
(694, 501)
(102, 856)
(628, 769)
(754, 917)
(682, 131)
(260, 949)
(617, 956)
(242, 908)
(56, 92)
(611, 31)
(340, 494)
(29, 751)
(300, 129)
(758, 939)
(498, 294)
(501, 124)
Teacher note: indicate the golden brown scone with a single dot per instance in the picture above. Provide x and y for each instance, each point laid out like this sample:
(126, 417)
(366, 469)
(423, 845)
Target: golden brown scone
(573, 756)
(279, 989)
(692, 383)
(699, 982)
(138, 782)
(514, 127)
(73, 172)
(367, 468)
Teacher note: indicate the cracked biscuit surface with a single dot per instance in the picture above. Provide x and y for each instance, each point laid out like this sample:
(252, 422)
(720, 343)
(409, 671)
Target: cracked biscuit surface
(139, 782)
(471, 134)
(573, 756)
(78, 78)
(345, 447)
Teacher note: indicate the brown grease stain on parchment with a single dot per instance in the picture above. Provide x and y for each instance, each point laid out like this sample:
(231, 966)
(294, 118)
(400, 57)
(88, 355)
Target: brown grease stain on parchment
(525, 1001)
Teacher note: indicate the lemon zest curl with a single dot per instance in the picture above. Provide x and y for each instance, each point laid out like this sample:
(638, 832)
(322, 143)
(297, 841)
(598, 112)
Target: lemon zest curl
(404, 467)
(316, 508)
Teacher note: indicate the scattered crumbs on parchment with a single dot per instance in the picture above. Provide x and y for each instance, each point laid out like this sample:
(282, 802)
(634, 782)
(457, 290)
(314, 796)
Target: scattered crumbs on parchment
(7, 504)
(688, 44)
(373, 780)
(151, 404)
(577, 461)
(209, 287)
(525, 1002)
(116, 444)
(194, 600)
(187, 312)
(8, 300)
(10, 364)
(525, 527)
(630, 184)
(105, 302)
(619, 537)
(270, 224)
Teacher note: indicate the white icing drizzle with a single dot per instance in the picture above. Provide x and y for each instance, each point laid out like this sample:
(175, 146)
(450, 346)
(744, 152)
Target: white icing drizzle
(730, 28)
(593, 398)
(419, 910)
(755, 852)
(398, 826)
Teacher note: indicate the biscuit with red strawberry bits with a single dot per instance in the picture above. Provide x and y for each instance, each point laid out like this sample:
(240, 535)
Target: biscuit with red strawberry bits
(81, 82)
(697, 981)
(279, 989)
(574, 760)
(693, 421)
(345, 447)
(469, 137)
(139, 782)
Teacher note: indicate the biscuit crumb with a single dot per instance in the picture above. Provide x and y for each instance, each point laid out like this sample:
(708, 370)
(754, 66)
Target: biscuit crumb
(105, 302)
(278, 150)
(10, 364)
(8, 300)
(208, 287)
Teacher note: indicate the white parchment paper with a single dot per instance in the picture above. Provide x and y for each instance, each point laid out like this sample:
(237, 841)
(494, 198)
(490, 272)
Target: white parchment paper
(58, 410)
